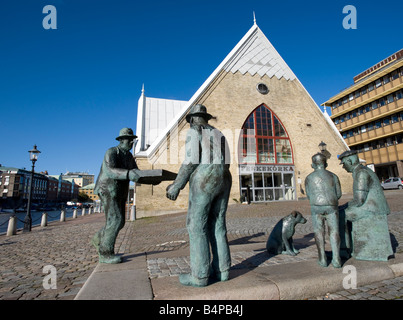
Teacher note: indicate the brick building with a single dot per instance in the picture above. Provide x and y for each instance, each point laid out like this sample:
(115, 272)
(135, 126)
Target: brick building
(14, 187)
(271, 123)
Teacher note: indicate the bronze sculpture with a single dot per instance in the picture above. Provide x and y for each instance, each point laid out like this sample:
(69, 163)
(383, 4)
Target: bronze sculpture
(323, 191)
(367, 212)
(112, 186)
(206, 167)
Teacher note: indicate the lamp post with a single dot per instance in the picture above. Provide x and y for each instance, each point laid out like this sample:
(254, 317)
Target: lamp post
(33, 156)
(322, 146)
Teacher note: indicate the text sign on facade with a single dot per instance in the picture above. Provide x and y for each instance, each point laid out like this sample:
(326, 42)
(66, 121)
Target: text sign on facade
(259, 168)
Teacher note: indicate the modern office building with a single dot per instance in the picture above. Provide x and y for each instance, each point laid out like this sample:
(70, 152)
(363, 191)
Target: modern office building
(369, 116)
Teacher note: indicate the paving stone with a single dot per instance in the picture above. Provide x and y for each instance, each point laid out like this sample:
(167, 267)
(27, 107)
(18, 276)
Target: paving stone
(23, 256)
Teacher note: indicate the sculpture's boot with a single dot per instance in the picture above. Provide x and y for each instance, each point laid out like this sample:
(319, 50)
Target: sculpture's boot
(336, 263)
(112, 259)
(95, 241)
(220, 275)
(188, 280)
(322, 262)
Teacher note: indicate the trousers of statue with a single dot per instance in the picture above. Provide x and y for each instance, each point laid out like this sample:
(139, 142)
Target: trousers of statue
(206, 226)
(115, 221)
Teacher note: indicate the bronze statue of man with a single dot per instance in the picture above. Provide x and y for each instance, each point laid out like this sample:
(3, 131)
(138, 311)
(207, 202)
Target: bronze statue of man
(112, 186)
(206, 167)
(367, 212)
(324, 191)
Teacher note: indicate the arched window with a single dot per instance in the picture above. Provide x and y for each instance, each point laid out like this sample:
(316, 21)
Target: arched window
(264, 139)
(266, 160)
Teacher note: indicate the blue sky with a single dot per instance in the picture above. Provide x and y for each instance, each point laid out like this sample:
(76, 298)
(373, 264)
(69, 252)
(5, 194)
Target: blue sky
(72, 89)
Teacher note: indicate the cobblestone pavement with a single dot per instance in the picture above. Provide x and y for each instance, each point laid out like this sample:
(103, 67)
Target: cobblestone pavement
(66, 246)
(62, 245)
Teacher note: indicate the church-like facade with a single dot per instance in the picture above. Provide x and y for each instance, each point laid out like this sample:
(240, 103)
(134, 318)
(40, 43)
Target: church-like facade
(271, 123)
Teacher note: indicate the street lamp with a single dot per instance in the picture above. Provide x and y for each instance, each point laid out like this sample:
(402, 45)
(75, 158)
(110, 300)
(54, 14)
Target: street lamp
(322, 146)
(33, 156)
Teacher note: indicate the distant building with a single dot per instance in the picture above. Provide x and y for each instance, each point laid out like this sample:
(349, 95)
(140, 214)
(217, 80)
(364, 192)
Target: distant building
(14, 187)
(369, 116)
(89, 191)
(81, 178)
(53, 184)
(66, 189)
(15, 183)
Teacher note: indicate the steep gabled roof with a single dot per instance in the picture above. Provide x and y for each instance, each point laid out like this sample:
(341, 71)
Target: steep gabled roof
(256, 54)
(253, 54)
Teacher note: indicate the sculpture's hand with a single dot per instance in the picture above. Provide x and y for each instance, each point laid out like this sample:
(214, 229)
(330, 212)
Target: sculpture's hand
(133, 176)
(172, 192)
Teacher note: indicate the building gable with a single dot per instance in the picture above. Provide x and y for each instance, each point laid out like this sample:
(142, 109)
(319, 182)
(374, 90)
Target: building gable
(254, 55)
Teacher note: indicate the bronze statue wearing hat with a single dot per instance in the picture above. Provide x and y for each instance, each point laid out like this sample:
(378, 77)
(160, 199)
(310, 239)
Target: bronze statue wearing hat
(367, 211)
(112, 187)
(206, 167)
(324, 191)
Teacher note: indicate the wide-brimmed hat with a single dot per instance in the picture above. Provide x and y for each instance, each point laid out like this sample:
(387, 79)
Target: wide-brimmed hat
(198, 111)
(126, 133)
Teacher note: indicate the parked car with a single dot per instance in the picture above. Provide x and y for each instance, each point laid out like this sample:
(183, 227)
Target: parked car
(392, 183)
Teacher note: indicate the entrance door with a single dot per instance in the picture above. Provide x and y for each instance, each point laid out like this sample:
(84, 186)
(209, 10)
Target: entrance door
(267, 186)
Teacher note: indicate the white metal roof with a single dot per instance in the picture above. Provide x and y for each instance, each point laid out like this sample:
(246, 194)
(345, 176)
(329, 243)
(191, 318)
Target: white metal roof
(153, 117)
(257, 55)
(253, 54)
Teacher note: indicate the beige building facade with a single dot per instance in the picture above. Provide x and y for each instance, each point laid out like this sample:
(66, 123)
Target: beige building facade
(271, 123)
(369, 115)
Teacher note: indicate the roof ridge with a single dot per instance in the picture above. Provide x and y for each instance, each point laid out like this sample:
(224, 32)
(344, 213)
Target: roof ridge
(250, 41)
